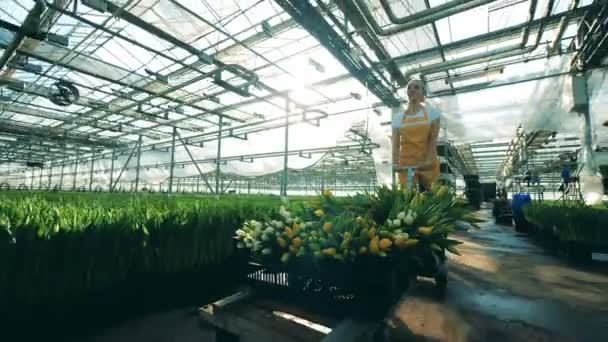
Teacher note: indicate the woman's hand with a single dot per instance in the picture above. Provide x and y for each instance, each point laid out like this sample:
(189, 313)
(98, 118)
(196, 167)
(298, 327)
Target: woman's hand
(425, 164)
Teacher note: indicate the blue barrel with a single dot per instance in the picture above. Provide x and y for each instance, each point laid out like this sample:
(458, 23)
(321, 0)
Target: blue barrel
(517, 206)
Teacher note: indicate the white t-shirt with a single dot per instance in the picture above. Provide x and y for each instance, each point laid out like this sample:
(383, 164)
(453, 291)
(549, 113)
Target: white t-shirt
(432, 112)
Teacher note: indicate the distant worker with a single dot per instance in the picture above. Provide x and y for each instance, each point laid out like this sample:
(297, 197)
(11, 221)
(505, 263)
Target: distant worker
(565, 179)
(528, 177)
(415, 138)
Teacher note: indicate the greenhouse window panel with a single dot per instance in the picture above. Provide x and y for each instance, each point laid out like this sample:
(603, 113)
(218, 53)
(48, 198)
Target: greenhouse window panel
(15, 10)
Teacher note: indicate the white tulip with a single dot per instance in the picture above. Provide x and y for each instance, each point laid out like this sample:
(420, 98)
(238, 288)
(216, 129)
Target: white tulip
(397, 223)
(278, 224)
(283, 212)
(404, 236)
(269, 230)
(257, 246)
(401, 215)
(240, 233)
(289, 221)
(408, 220)
(240, 245)
(266, 251)
(256, 224)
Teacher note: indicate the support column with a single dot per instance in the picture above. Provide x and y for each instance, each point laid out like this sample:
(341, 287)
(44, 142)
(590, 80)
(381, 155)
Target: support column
(172, 166)
(32, 180)
(591, 181)
(50, 176)
(200, 172)
(218, 160)
(91, 172)
(323, 174)
(75, 172)
(124, 167)
(138, 164)
(62, 174)
(285, 155)
(40, 180)
(112, 170)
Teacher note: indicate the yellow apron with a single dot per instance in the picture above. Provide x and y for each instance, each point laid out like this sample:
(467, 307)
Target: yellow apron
(414, 133)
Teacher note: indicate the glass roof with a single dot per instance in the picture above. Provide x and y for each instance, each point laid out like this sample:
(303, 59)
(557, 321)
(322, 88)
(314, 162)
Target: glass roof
(144, 68)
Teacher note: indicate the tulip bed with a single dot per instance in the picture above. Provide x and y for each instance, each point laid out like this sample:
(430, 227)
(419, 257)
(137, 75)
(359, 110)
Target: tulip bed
(575, 228)
(77, 255)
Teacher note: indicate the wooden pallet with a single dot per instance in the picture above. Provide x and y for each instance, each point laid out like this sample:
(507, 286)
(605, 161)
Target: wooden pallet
(244, 318)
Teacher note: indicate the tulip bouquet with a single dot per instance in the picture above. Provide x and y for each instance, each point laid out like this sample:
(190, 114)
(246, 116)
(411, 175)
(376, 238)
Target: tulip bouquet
(391, 224)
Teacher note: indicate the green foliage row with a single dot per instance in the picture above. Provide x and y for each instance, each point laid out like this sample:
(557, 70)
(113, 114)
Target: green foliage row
(61, 246)
(570, 222)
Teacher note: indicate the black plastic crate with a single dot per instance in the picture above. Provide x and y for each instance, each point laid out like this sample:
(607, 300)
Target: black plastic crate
(334, 294)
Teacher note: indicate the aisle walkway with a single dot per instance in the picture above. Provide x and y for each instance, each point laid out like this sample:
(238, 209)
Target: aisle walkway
(505, 288)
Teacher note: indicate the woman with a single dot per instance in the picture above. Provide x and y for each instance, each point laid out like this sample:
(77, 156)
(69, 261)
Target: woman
(415, 135)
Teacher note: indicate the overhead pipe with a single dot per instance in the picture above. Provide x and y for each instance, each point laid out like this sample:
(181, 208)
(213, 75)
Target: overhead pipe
(430, 16)
(370, 39)
(563, 23)
(505, 52)
(139, 22)
(31, 24)
(420, 14)
(525, 34)
(488, 38)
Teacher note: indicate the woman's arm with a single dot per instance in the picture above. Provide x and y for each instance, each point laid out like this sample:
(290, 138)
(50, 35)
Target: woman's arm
(433, 139)
(431, 153)
(396, 146)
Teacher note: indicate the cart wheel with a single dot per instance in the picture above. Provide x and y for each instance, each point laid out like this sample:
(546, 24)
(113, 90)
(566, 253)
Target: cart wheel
(441, 281)
(441, 277)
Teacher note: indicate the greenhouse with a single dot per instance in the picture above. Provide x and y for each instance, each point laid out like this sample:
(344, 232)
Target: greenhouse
(303, 170)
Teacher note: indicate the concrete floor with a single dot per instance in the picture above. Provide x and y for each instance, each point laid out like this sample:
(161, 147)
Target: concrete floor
(502, 288)
(505, 288)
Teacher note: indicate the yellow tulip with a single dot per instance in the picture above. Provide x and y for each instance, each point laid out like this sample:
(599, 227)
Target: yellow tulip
(319, 212)
(373, 245)
(282, 243)
(425, 230)
(411, 242)
(296, 242)
(327, 227)
(288, 232)
(385, 244)
(401, 242)
(371, 233)
(329, 251)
